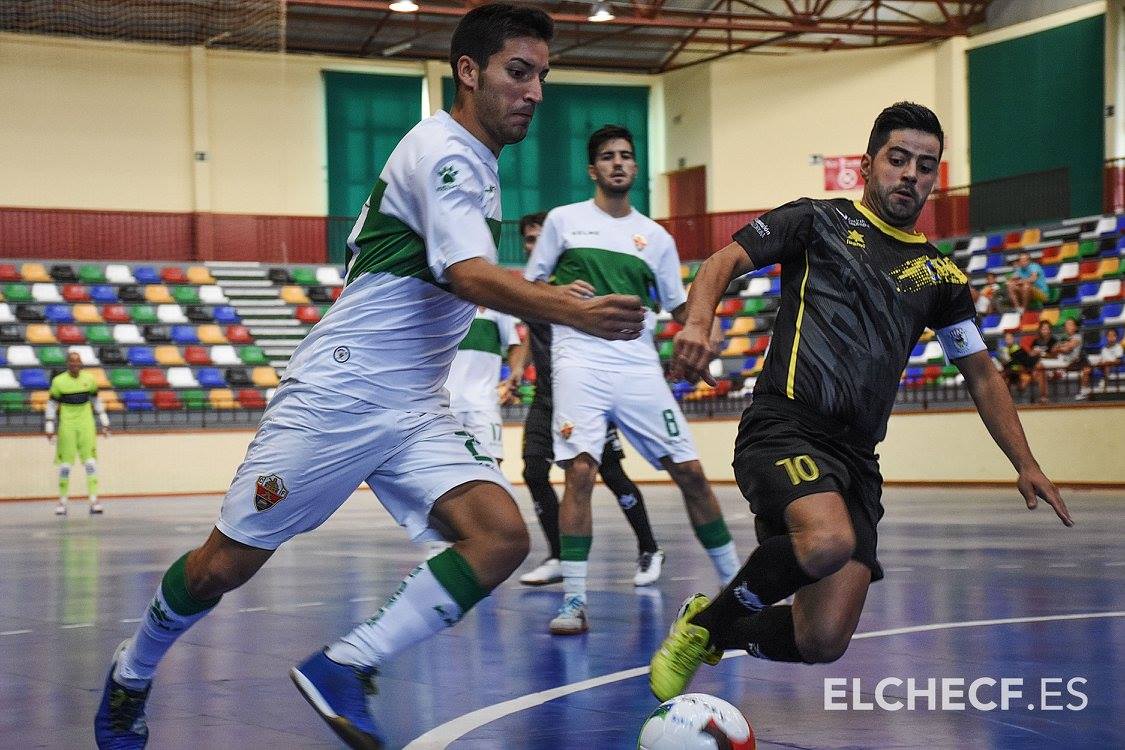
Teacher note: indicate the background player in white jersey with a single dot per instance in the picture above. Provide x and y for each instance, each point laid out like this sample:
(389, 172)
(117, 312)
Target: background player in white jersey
(362, 399)
(608, 243)
(474, 377)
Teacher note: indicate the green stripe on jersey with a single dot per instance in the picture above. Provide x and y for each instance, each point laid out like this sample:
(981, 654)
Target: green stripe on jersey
(483, 336)
(387, 245)
(610, 273)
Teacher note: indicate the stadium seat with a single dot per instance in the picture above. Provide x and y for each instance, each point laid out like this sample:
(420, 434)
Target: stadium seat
(33, 378)
(45, 294)
(1089, 292)
(86, 313)
(168, 355)
(319, 295)
(279, 276)
(68, 333)
(91, 274)
(995, 262)
(182, 377)
(173, 275)
(200, 276)
(329, 276)
(9, 273)
(1050, 254)
(146, 275)
(198, 314)
(184, 334)
(130, 293)
(210, 377)
(166, 401)
(336, 292)
(35, 273)
(11, 333)
(57, 313)
(37, 400)
(237, 377)
(153, 377)
(1029, 321)
(1009, 321)
(140, 356)
(225, 315)
(743, 326)
(211, 294)
(111, 355)
(109, 400)
(304, 276)
(103, 293)
(1113, 315)
(194, 399)
(158, 294)
(22, 355)
(185, 295)
(1068, 251)
(196, 355)
(1088, 249)
(86, 354)
(224, 355)
(759, 286)
(308, 314)
(210, 334)
(294, 295)
(6, 315)
(124, 377)
(1110, 289)
(40, 333)
(1109, 268)
(737, 346)
(156, 334)
(759, 344)
(238, 334)
(62, 273)
(10, 401)
(73, 293)
(115, 314)
(28, 313)
(222, 398)
(137, 401)
(143, 314)
(264, 377)
(16, 293)
(665, 349)
(170, 313)
(248, 398)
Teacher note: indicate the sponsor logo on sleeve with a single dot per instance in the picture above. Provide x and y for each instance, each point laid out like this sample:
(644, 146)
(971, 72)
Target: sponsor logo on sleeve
(761, 228)
(447, 177)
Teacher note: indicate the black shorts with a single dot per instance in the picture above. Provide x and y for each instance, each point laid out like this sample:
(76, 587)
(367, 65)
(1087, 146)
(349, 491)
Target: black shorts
(538, 442)
(785, 451)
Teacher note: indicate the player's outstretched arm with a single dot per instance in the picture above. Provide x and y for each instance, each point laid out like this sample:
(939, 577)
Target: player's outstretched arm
(998, 413)
(693, 345)
(612, 316)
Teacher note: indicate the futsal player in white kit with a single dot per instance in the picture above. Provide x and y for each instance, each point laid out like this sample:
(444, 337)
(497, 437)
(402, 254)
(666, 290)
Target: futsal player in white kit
(616, 249)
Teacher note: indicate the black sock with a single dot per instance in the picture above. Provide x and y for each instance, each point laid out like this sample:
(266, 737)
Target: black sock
(771, 574)
(629, 499)
(536, 472)
(768, 635)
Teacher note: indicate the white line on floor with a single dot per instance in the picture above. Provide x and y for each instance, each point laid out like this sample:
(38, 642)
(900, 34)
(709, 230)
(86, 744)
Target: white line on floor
(954, 567)
(253, 609)
(440, 737)
(76, 625)
(683, 578)
(1009, 566)
(365, 599)
(14, 632)
(897, 570)
(133, 619)
(308, 604)
(1063, 565)
(1114, 564)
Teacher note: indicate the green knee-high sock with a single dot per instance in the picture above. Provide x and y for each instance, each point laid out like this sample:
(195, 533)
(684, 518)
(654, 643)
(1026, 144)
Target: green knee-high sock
(716, 539)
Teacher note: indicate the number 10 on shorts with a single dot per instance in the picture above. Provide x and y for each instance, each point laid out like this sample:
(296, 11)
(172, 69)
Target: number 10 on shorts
(800, 469)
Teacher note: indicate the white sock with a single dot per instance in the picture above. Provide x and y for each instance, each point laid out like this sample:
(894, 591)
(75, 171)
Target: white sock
(159, 629)
(726, 561)
(574, 579)
(420, 608)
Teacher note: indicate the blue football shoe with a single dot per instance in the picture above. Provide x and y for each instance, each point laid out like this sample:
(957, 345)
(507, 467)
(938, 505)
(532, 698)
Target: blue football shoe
(120, 721)
(338, 692)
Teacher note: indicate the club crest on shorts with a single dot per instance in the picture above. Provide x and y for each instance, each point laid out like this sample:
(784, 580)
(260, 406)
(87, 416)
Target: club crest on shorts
(639, 241)
(269, 491)
(566, 429)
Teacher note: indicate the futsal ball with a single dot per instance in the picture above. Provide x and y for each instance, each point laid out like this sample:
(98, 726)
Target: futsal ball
(696, 722)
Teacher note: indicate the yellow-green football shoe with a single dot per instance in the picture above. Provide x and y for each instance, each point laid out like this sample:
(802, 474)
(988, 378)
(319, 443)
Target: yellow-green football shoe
(675, 662)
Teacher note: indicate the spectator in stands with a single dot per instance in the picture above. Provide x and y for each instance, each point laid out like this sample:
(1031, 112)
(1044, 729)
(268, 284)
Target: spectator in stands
(1109, 360)
(1016, 363)
(1045, 341)
(1027, 285)
(985, 298)
(1065, 355)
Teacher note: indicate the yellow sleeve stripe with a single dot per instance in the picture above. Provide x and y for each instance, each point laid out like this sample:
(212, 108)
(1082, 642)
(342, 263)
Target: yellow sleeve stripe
(797, 332)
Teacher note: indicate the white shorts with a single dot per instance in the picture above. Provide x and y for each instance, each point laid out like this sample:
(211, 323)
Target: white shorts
(639, 403)
(487, 427)
(313, 449)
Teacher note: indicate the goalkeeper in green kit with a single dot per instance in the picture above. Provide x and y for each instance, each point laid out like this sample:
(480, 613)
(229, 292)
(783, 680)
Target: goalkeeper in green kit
(74, 400)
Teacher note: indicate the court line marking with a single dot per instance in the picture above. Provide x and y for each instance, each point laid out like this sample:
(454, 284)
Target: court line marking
(14, 632)
(442, 736)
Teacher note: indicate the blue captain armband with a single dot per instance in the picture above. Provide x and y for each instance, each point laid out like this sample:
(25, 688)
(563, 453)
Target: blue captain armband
(961, 340)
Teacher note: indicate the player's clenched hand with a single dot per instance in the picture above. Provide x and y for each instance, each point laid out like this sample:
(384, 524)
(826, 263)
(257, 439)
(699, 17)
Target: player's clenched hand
(1033, 483)
(692, 355)
(617, 317)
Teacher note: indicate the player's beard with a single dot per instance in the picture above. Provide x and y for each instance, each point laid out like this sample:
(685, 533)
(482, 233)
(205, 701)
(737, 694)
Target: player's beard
(615, 191)
(496, 116)
(897, 213)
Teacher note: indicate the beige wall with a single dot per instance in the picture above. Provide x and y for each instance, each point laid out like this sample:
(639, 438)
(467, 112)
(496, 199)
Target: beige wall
(944, 447)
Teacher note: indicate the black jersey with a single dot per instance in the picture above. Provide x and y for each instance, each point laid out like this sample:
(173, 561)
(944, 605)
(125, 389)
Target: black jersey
(856, 294)
(540, 335)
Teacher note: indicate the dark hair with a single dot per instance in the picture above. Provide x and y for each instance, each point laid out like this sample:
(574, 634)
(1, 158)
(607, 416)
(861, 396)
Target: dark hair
(482, 31)
(532, 220)
(904, 116)
(603, 134)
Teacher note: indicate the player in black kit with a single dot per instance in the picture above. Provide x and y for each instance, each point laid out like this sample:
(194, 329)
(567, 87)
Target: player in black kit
(538, 454)
(858, 287)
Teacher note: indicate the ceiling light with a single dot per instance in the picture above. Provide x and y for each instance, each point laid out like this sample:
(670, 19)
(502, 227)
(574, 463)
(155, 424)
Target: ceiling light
(404, 6)
(394, 49)
(600, 12)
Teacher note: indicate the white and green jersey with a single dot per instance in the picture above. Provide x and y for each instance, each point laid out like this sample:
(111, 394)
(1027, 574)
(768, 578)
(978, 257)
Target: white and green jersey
(630, 255)
(475, 373)
(390, 338)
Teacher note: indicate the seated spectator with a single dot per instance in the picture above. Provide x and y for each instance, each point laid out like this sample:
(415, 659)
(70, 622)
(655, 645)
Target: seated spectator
(1066, 355)
(1044, 342)
(1027, 285)
(1016, 364)
(985, 297)
(1109, 359)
